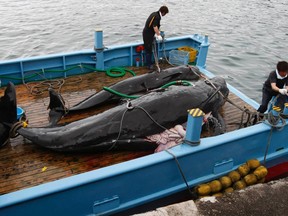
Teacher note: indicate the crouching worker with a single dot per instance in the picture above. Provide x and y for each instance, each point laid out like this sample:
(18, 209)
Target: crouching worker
(276, 83)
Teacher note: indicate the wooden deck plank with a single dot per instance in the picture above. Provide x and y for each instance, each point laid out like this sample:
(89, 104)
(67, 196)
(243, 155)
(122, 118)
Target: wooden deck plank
(21, 162)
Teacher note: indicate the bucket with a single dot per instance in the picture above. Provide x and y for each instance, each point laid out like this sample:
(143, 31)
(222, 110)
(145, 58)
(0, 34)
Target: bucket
(20, 112)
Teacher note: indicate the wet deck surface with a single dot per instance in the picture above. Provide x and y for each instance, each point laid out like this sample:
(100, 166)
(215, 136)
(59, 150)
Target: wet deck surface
(24, 165)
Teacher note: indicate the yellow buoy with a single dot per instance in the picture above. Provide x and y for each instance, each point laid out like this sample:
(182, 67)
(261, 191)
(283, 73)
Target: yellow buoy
(203, 190)
(229, 190)
(253, 163)
(219, 194)
(225, 181)
(243, 169)
(215, 186)
(250, 179)
(234, 176)
(261, 180)
(260, 172)
(239, 185)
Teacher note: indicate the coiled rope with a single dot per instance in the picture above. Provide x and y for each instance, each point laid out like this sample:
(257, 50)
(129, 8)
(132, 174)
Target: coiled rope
(276, 122)
(40, 87)
(244, 110)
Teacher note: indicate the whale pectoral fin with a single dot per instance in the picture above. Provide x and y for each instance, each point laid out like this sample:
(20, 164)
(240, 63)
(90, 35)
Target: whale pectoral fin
(56, 106)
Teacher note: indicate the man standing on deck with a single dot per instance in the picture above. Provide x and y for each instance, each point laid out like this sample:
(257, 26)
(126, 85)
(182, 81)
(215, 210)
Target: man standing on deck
(277, 82)
(151, 28)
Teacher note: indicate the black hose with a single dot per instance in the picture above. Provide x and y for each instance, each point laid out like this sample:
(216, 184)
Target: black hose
(193, 194)
(211, 96)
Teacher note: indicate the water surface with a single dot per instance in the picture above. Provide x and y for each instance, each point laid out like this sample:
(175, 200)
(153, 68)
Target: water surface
(247, 38)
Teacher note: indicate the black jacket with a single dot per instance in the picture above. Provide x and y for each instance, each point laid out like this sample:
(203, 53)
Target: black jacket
(152, 21)
(273, 79)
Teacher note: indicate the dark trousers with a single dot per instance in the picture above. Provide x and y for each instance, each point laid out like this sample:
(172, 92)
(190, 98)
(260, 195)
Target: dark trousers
(267, 96)
(148, 38)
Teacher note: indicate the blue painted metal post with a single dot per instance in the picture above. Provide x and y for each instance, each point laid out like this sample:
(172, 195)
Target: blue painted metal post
(276, 111)
(99, 48)
(203, 51)
(142, 58)
(285, 110)
(194, 126)
(64, 66)
(131, 56)
(22, 72)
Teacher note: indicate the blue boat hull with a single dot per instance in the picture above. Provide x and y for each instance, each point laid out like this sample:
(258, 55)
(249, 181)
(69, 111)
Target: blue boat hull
(129, 184)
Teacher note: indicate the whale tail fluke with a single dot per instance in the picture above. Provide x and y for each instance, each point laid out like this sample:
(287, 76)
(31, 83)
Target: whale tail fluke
(8, 112)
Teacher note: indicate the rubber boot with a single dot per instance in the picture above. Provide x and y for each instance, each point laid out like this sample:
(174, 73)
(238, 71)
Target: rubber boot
(148, 60)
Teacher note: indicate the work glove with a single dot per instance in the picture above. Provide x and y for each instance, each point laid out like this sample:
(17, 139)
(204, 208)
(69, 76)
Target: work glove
(283, 91)
(159, 38)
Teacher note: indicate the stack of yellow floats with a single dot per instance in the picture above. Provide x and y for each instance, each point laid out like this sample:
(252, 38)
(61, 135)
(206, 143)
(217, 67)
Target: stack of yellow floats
(250, 173)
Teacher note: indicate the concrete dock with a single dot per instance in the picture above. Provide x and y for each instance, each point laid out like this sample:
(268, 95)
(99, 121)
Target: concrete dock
(261, 199)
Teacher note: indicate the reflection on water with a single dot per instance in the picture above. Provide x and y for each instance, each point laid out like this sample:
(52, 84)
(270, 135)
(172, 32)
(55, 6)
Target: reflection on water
(247, 38)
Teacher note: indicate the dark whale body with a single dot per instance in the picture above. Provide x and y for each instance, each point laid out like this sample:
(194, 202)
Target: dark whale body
(137, 84)
(124, 126)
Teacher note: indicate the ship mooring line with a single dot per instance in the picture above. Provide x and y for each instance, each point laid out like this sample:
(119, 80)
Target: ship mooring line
(194, 196)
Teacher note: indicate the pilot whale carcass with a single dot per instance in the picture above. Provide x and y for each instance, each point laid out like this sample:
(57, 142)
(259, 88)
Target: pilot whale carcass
(140, 83)
(133, 85)
(125, 126)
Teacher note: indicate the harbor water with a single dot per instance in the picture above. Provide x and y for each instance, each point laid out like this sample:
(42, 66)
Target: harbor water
(247, 38)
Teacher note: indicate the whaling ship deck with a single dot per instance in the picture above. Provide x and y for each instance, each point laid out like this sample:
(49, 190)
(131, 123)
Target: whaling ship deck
(23, 164)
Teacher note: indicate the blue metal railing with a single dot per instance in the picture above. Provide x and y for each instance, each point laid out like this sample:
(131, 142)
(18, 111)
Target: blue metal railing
(100, 57)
